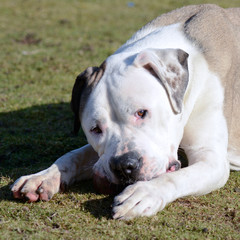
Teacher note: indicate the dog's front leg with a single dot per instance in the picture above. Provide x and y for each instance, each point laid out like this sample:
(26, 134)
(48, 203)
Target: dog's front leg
(208, 170)
(146, 198)
(71, 167)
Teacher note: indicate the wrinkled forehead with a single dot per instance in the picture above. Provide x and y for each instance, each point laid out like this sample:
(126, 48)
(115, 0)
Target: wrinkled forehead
(128, 90)
(138, 83)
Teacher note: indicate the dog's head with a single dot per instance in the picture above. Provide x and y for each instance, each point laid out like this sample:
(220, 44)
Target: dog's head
(130, 111)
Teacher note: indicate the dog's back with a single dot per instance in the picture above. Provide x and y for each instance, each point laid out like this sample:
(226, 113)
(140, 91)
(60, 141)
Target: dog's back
(216, 33)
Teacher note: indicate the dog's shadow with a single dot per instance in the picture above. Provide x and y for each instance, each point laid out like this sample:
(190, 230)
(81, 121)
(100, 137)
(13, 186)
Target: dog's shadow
(5, 193)
(32, 139)
(99, 206)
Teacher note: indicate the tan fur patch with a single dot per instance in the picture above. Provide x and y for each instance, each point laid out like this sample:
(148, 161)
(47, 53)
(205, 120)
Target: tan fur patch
(216, 32)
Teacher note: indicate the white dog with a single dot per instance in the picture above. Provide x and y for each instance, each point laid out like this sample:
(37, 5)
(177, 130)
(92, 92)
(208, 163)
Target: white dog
(175, 83)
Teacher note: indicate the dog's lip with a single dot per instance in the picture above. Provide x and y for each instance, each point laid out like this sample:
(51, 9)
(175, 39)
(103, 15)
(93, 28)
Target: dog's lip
(173, 166)
(104, 185)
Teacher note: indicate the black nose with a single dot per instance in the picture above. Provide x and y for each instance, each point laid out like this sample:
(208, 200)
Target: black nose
(126, 167)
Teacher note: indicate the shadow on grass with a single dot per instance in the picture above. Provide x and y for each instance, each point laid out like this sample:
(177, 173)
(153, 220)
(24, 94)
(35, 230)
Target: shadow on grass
(100, 207)
(5, 193)
(32, 139)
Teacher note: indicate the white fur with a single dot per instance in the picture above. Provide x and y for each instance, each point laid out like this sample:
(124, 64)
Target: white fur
(200, 129)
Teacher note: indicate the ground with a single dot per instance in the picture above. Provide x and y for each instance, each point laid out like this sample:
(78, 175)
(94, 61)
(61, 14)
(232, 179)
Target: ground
(44, 46)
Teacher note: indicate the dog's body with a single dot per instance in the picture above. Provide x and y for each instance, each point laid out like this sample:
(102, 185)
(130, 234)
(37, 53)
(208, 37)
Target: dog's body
(163, 89)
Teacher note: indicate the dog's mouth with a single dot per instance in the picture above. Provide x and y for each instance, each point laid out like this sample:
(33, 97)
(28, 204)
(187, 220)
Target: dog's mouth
(173, 166)
(103, 186)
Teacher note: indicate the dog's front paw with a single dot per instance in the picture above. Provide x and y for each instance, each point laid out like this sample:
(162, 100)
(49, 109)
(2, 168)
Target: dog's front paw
(139, 199)
(36, 187)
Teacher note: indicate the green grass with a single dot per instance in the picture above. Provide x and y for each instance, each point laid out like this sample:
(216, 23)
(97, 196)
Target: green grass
(44, 45)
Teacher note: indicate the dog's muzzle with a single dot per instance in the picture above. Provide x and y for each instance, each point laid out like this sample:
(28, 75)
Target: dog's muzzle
(127, 167)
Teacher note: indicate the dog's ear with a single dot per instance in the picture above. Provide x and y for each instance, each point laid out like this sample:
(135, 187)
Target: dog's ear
(170, 67)
(82, 88)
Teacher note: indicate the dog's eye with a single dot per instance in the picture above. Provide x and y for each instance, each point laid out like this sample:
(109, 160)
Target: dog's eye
(141, 113)
(96, 130)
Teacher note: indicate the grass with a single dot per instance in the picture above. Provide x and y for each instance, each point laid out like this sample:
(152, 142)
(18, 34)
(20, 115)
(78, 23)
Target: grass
(44, 45)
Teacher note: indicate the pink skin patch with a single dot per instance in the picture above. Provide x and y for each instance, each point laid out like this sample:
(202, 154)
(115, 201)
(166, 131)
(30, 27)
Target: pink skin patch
(137, 119)
(17, 195)
(32, 196)
(150, 169)
(174, 165)
(172, 169)
(42, 190)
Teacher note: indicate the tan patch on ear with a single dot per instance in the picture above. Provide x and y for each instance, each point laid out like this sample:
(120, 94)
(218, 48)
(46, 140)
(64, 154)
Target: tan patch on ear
(170, 67)
(174, 69)
(150, 69)
(96, 75)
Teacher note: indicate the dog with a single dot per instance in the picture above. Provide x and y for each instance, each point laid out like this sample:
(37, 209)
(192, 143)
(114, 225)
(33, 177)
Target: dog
(174, 84)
